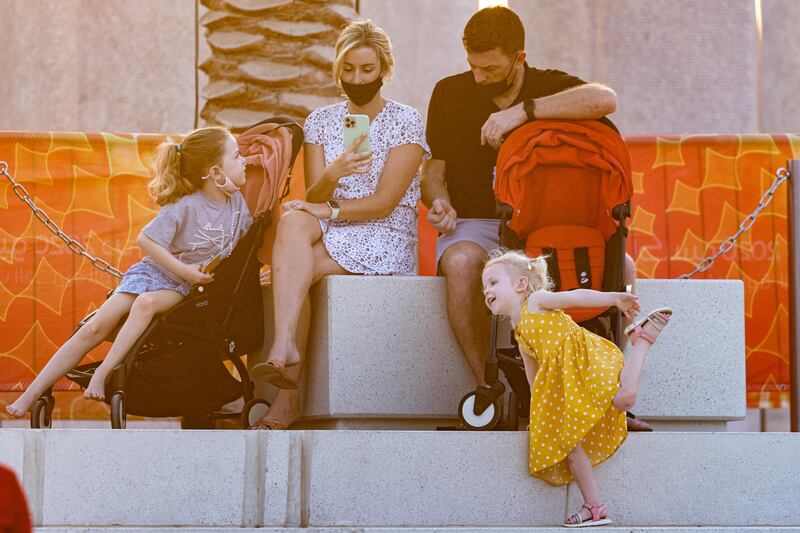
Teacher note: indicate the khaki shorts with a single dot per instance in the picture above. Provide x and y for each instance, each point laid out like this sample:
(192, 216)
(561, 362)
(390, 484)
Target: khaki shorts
(481, 231)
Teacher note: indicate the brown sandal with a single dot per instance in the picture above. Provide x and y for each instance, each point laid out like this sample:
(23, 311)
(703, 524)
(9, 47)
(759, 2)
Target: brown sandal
(269, 425)
(270, 373)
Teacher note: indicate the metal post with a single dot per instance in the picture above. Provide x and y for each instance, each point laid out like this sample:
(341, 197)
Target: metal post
(793, 209)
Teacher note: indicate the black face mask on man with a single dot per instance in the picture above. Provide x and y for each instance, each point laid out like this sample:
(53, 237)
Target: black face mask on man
(490, 90)
(362, 94)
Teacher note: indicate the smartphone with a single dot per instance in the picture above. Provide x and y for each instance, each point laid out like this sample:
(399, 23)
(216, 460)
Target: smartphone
(209, 267)
(354, 126)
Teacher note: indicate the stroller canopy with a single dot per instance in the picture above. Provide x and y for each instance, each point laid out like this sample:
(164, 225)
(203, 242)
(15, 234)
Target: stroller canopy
(270, 149)
(557, 172)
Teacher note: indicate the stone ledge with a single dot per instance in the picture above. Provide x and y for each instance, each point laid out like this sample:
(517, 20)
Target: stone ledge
(381, 349)
(391, 479)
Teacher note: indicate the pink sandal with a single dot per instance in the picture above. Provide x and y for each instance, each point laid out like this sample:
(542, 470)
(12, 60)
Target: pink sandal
(658, 318)
(599, 517)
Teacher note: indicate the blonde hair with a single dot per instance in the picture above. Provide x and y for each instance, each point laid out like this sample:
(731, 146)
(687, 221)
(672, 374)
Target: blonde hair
(181, 167)
(363, 33)
(520, 265)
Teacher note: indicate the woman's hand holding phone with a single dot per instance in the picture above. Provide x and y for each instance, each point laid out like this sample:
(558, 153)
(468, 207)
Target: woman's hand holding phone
(350, 161)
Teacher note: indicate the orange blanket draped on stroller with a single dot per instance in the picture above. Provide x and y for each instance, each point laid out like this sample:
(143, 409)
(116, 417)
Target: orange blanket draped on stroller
(588, 160)
(268, 151)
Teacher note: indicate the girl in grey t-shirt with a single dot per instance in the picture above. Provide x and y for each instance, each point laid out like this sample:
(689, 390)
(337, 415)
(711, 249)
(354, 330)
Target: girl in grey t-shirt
(203, 215)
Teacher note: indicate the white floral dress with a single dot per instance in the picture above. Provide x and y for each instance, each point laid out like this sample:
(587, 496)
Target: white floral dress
(381, 246)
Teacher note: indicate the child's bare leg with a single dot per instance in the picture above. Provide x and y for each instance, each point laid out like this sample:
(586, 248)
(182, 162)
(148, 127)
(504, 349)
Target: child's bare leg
(71, 352)
(631, 373)
(581, 468)
(144, 308)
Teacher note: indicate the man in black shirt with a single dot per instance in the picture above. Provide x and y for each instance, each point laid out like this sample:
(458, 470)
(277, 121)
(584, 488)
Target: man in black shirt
(468, 116)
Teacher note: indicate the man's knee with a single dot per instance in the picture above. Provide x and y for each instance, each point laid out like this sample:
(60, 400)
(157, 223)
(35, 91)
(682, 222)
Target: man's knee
(463, 259)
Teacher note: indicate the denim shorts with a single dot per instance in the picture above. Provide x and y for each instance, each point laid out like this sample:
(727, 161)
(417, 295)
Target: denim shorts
(143, 277)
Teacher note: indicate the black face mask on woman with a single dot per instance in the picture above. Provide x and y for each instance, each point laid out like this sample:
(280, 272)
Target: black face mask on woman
(362, 94)
(490, 90)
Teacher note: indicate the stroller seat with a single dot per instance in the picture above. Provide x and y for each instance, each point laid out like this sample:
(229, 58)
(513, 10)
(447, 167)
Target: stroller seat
(569, 185)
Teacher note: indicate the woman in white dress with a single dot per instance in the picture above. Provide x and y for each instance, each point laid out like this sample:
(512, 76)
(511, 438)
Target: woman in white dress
(360, 217)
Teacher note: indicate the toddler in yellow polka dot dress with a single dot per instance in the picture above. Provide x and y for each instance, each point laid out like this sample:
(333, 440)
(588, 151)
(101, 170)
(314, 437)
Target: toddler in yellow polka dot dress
(581, 385)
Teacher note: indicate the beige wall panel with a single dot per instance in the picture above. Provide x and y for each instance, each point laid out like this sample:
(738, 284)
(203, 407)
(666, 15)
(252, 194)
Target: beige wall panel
(780, 66)
(39, 87)
(558, 35)
(678, 66)
(98, 65)
(426, 42)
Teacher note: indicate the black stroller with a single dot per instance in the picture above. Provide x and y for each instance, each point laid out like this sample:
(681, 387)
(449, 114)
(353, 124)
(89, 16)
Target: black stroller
(176, 367)
(563, 191)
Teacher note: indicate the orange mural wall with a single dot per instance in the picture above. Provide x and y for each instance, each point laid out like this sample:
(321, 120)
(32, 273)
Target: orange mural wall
(690, 194)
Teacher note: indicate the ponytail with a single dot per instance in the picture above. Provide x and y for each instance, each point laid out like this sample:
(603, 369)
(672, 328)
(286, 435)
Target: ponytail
(534, 269)
(180, 168)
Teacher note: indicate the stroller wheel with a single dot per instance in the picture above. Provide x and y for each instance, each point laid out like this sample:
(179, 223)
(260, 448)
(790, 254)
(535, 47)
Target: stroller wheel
(41, 414)
(484, 421)
(252, 413)
(118, 415)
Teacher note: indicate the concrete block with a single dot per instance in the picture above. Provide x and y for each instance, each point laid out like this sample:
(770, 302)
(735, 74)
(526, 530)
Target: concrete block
(381, 353)
(145, 478)
(283, 478)
(696, 370)
(381, 347)
(713, 479)
(424, 479)
(12, 449)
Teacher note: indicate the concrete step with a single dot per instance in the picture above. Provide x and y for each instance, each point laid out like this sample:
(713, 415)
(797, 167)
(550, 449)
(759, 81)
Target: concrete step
(382, 355)
(390, 479)
(607, 529)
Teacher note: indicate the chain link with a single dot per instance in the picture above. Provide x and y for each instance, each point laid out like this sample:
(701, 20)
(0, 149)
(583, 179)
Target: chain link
(73, 245)
(781, 175)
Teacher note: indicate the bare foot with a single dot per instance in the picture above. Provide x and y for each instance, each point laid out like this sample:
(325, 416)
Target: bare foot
(96, 390)
(20, 408)
(284, 412)
(289, 355)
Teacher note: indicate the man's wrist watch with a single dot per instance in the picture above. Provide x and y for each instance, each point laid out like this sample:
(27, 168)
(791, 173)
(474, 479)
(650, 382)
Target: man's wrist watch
(529, 105)
(334, 205)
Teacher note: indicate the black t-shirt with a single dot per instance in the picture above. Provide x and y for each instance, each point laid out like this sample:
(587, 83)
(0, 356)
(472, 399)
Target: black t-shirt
(456, 114)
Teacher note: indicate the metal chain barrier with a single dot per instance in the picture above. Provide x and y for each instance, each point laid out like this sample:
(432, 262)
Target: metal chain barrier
(781, 175)
(71, 243)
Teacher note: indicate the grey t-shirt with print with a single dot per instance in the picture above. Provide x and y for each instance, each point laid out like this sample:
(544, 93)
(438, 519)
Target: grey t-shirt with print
(195, 228)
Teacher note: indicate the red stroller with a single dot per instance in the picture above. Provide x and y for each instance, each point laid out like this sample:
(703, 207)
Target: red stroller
(564, 190)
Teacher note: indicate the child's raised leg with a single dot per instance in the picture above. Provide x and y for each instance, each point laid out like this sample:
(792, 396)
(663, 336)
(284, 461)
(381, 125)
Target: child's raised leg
(581, 468)
(92, 333)
(144, 308)
(631, 373)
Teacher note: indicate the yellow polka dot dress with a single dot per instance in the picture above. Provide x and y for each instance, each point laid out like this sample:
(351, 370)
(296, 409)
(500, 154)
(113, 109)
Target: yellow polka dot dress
(571, 395)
